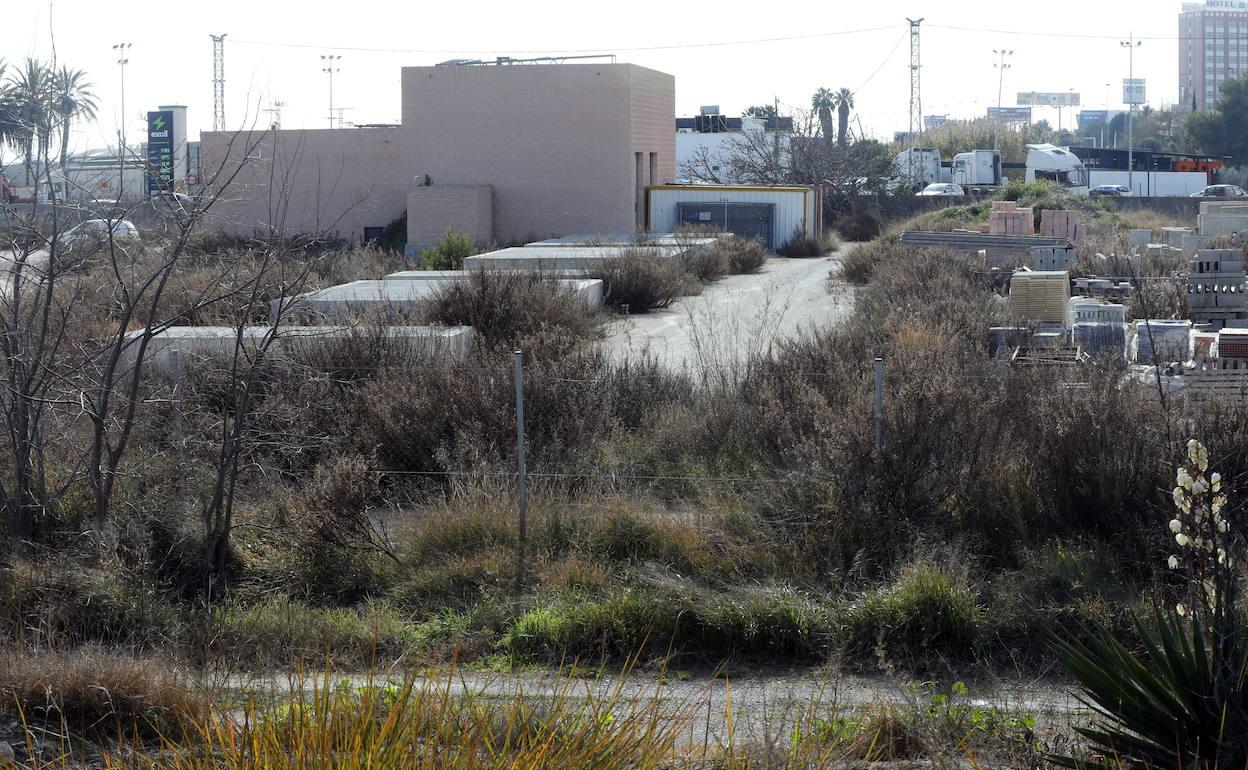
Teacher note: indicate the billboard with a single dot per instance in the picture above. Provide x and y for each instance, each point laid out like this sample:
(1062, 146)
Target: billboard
(159, 150)
(1048, 99)
(1134, 91)
(1010, 114)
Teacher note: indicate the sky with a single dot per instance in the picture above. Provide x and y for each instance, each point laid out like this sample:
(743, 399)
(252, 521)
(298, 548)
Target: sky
(730, 53)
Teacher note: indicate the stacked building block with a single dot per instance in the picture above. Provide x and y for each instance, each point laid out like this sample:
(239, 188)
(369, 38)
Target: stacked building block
(1006, 218)
(1040, 297)
(1233, 343)
(1165, 340)
(1052, 258)
(1138, 239)
(1222, 218)
(1173, 236)
(1061, 224)
(1215, 287)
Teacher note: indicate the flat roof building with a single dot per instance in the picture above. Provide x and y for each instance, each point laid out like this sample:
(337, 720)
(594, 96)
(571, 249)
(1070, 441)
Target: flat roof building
(503, 153)
(1213, 48)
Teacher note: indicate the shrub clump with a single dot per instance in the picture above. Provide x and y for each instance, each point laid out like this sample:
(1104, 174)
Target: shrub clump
(450, 252)
(638, 282)
(505, 308)
(802, 245)
(926, 614)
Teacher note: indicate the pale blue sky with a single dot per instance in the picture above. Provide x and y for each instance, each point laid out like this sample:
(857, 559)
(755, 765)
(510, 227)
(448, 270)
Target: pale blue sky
(273, 49)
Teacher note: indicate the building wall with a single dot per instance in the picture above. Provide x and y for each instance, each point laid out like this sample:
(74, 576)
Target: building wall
(558, 144)
(431, 211)
(1213, 48)
(796, 208)
(321, 181)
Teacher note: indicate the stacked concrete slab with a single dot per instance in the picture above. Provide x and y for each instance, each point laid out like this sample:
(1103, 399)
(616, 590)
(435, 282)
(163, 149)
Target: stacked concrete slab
(1138, 239)
(1099, 327)
(208, 343)
(1215, 287)
(1040, 297)
(1006, 218)
(1192, 244)
(626, 239)
(1223, 218)
(564, 260)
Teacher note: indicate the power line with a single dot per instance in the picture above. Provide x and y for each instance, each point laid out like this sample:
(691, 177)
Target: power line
(675, 46)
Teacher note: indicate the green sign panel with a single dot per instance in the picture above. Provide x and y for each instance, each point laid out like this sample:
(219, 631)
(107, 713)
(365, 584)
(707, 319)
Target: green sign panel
(159, 150)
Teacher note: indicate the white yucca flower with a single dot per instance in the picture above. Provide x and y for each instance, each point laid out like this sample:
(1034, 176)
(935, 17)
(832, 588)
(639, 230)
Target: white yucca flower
(1173, 562)
(1176, 526)
(1182, 539)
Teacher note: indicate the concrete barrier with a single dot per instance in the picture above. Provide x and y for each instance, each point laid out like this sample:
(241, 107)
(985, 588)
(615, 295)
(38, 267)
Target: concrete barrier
(562, 260)
(198, 344)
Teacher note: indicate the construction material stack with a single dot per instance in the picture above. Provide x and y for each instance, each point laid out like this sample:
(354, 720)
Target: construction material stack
(1040, 297)
(1223, 218)
(1164, 341)
(1100, 327)
(1215, 287)
(1061, 224)
(1006, 218)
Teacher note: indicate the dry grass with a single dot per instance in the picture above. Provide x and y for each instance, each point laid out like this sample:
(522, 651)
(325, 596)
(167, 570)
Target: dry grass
(95, 692)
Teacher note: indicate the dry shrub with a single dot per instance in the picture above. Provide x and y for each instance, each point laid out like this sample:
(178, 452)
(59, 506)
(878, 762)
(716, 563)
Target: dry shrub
(100, 693)
(638, 282)
(504, 308)
(858, 264)
(802, 245)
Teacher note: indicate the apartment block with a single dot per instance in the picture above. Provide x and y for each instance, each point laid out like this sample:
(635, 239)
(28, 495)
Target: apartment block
(1213, 48)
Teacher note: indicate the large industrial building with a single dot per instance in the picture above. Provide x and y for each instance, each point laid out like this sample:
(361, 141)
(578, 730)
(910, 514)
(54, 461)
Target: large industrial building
(1213, 48)
(501, 151)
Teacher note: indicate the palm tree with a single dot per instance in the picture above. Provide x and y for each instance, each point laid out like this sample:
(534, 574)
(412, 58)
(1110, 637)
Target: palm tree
(74, 100)
(823, 101)
(31, 104)
(844, 103)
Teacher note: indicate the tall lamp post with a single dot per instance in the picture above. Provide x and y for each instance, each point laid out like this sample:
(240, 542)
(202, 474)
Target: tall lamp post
(1131, 44)
(329, 65)
(1001, 66)
(123, 58)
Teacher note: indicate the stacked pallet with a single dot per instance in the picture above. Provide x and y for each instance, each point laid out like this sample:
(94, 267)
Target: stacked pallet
(1061, 224)
(1006, 218)
(1162, 340)
(1233, 343)
(1040, 296)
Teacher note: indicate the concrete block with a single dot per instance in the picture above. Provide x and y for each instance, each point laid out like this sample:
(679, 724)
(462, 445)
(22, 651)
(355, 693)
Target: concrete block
(1138, 239)
(399, 297)
(207, 344)
(1223, 224)
(1052, 258)
(627, 239)
(1191, 244)
(1173, 236)
(562, 260)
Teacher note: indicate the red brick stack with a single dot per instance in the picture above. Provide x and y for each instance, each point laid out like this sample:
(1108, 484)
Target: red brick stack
(1061, 224)
(1007, 218)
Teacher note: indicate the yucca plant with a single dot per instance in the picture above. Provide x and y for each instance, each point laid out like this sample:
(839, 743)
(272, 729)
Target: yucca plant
(1182, 700)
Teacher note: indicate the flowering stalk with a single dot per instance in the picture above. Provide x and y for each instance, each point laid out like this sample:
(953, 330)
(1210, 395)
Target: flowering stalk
(1200, 530)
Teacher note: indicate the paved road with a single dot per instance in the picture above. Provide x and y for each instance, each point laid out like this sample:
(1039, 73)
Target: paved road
(737, 317)
(754, 707)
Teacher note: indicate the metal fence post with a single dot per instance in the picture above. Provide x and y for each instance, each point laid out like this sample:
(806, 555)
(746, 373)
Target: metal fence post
(879, 403)
(179, 434)
(521, 482)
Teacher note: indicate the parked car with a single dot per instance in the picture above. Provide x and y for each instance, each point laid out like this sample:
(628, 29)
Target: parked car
(1222, 191)
(95, 232)
(943, 190)
(1111, 191)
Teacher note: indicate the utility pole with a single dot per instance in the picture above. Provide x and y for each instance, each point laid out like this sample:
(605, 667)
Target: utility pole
(123, 58)
(916, 98)
(1001, 66)
(1131, 44)
(775, 134)
(329, 65)
(218, 81)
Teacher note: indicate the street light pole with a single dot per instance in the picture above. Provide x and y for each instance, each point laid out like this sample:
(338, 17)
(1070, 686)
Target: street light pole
(1131, 44)
(1002, 67)
(123, 58)
(330, 66)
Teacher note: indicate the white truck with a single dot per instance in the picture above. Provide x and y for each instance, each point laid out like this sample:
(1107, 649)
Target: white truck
(978, 171)
(1057, 164)
(917, 168)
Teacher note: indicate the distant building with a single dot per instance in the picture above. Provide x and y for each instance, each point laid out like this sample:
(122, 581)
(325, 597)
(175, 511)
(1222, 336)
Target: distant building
(501, 151)
(706, 143)
(1213, 48)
